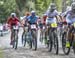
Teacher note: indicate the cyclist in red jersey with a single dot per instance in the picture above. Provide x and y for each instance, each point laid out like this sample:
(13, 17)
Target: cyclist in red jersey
(12, 20)
(44, 25)
(44, 19)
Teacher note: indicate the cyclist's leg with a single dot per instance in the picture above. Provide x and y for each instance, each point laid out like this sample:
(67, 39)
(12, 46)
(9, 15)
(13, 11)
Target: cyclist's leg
(47, 31)
(69, 30)
(11, 37)
(23, 32)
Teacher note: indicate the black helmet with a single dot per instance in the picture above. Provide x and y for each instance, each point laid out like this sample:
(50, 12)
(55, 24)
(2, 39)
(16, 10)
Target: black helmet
(52, 6)
(73, 5)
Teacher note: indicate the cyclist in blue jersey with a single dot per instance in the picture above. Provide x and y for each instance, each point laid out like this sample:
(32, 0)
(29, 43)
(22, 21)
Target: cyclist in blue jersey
(32, 19)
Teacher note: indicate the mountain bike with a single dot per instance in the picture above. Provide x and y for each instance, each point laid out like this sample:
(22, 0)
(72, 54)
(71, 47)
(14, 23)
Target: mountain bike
(15, 30)
(26, 37)
(68, 39)
(34, 36)
(53, 38)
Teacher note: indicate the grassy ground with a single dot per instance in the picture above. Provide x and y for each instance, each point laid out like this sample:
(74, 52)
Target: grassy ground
(1, 53)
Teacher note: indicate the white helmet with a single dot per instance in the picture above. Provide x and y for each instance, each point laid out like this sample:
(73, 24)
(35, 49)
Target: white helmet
(32, 11)
(44, 14)
(13, 14)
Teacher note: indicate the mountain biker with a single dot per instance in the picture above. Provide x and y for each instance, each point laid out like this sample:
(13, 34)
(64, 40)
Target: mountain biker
(25, 17)
(51, 16)
(70, 14)
(63, 15)
(32, 19)
(69, 17)
(39, 22)
(44, 19)
(24, 21)
(12, 20)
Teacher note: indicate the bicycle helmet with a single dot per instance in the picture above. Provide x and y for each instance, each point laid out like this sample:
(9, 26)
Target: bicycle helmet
(13, 14)
(52, 6)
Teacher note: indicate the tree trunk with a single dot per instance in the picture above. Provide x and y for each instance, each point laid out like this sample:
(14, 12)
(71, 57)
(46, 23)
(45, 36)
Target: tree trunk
(64, 5)
(22, 6)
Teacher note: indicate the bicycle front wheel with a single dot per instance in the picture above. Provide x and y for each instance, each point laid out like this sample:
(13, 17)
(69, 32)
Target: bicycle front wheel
(66, 50)
(56, 46)
(50, 44)
(16, 41)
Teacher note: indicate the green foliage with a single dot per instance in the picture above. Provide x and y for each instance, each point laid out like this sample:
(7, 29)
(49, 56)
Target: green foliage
(21, 6)
(6, 8)
(42, 5)
(59, 5)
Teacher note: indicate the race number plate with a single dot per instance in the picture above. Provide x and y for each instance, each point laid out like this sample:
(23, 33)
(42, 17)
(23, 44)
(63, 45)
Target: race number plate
(54, 25)
(33, 26)
(43, 27)
(15, 27)
(1, 27)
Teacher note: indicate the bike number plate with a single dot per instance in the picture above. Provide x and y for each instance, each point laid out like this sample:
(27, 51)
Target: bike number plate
(54, 25)
(43, 27)
(1, 27)
(15, 27)
(33, 26)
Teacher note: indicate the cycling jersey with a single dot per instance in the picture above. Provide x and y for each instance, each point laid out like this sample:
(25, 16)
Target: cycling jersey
(32, 19)
(13, 21)
(44, 19)
(51, 17)
(70, 17)
(40, 24)
(25, 17)
(52, 14)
